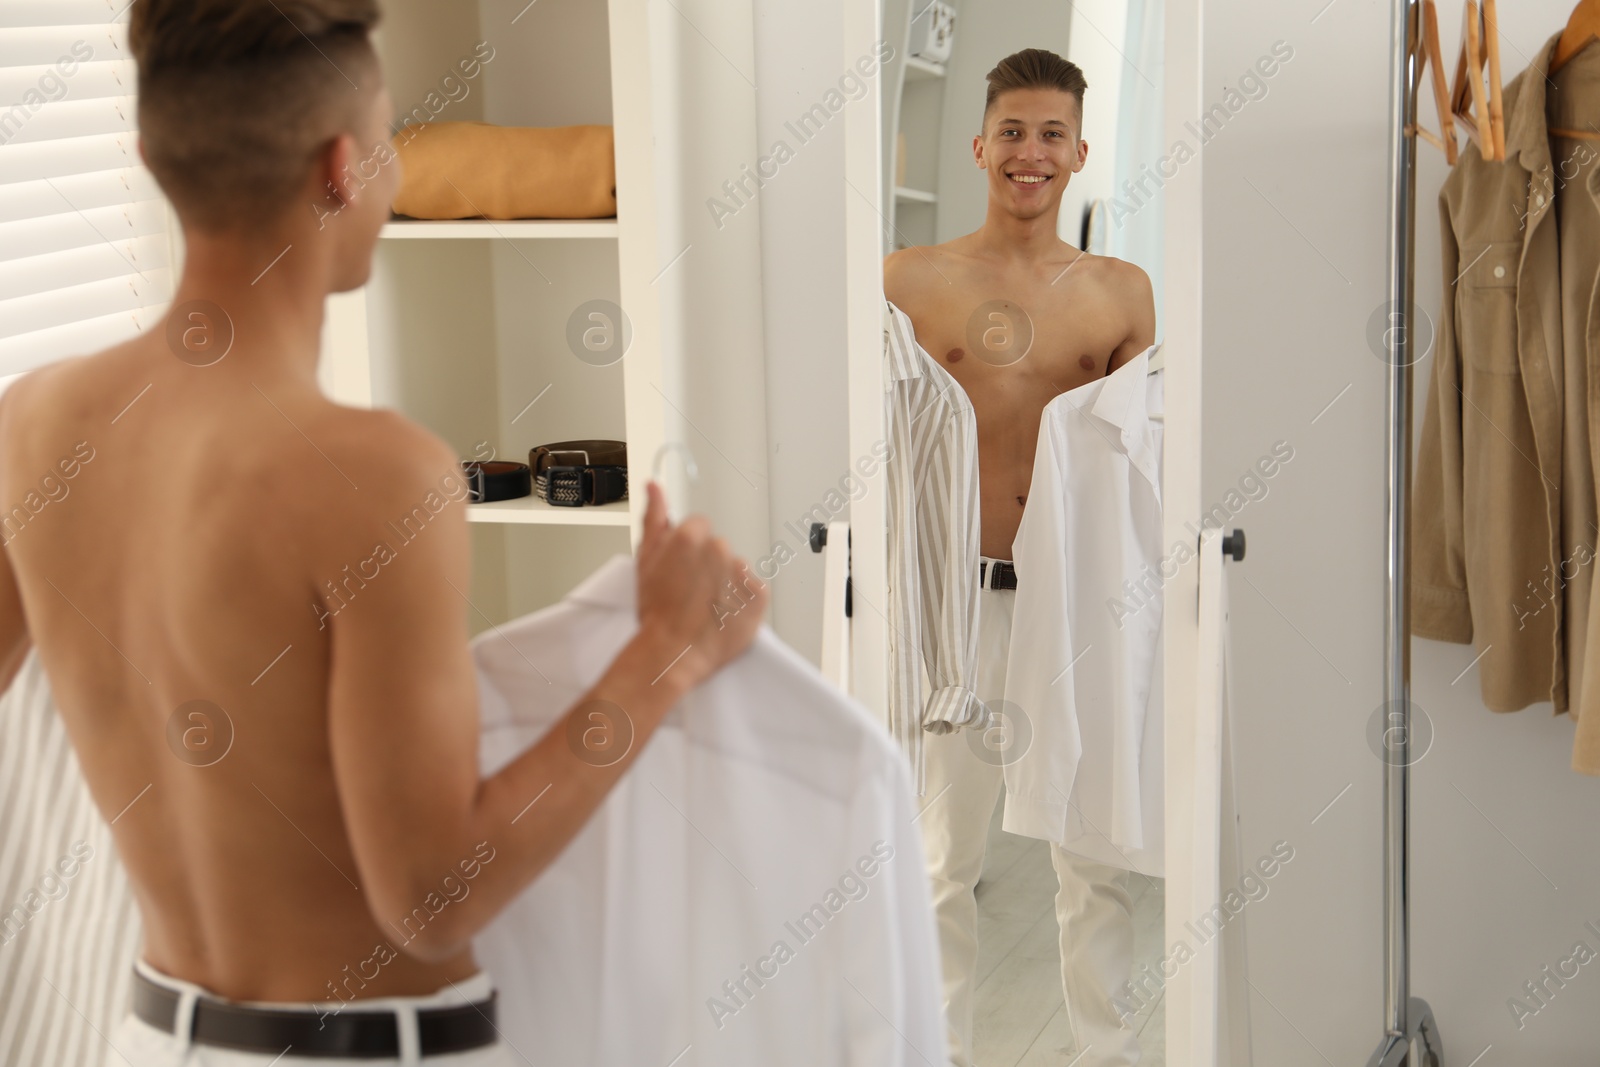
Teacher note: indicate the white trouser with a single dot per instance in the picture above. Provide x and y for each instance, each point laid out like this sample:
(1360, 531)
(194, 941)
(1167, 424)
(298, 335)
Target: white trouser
(1093, 907)
(138, 1044)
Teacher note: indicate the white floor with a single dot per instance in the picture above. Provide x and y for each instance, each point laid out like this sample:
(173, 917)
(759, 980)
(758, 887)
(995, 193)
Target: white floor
(1019, 1018)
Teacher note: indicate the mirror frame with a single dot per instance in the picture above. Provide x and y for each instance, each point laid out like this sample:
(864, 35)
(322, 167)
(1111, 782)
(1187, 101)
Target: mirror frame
(1193, 806)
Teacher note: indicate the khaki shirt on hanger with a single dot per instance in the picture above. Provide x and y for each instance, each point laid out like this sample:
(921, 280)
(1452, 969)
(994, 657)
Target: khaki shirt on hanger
(1486, 564)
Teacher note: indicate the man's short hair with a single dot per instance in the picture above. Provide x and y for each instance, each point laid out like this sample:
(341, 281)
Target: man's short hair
(237, 97)
(1035, 68)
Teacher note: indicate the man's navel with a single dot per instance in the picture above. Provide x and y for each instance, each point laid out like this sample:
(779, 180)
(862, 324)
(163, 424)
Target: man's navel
(955, 355)
(1023, 500)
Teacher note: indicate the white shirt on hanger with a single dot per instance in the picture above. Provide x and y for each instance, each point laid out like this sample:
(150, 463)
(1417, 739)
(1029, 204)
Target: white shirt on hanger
(752, 890)
(1084, 672)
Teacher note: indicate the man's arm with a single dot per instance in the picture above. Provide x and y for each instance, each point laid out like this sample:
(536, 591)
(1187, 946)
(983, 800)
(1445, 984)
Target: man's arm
(1134, 293)
(14, 637)
(403, 712)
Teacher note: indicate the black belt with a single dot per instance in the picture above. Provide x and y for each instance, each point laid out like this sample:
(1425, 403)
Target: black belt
(1004, 577)
(496, 479)
(344, 1034)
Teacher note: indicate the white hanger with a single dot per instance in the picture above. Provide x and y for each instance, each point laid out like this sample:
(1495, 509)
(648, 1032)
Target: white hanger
(690, 468)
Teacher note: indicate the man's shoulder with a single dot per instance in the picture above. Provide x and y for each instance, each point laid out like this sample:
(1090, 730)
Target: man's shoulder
(899, 270)
(42, 383)
(909, 272)
(37, 398)
(376, 468)
(1130, 280)
(1121, 281)
(394, 455)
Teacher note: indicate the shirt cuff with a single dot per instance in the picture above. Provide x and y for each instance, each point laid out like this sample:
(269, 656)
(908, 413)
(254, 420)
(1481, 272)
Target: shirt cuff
(1441, 614)
(953, 707)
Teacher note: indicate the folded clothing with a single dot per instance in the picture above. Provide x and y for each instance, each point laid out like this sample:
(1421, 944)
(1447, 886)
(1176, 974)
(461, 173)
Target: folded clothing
(461, 170)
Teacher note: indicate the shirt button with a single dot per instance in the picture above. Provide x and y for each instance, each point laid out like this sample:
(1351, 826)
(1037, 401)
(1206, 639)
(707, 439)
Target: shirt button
(1538, 201)
(1499, 272)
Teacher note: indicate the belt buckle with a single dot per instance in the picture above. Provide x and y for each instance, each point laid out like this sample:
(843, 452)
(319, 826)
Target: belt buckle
(564, 486)
(569, 452)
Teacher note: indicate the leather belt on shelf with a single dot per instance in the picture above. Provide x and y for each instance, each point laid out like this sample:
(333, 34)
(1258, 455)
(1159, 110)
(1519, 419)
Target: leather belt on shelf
(496, 479)
(349, 1033)
(1004, 576)
(575, 473)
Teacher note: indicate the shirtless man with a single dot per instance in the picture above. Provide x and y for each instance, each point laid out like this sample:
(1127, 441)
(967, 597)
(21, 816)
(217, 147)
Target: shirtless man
(213, 500)
(1018, 316)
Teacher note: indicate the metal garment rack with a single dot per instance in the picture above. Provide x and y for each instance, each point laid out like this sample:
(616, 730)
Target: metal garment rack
(1411, 1036)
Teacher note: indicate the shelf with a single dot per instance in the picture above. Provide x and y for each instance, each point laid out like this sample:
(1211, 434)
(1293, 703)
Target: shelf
(494, 229)
(919, 69)
(528, 509)
(914, 195)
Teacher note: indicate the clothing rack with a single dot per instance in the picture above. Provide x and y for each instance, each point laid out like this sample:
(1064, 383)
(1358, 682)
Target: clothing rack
(1411, 1036)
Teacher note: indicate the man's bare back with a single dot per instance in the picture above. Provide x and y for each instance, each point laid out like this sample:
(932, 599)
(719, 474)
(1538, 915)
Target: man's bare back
(972, 312)
(183, 565)
(252, 603)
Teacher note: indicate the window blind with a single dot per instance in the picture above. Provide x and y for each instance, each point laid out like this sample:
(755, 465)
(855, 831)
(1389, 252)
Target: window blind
(84, 259)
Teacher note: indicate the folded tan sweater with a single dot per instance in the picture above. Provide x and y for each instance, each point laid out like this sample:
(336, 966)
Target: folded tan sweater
(462, 170)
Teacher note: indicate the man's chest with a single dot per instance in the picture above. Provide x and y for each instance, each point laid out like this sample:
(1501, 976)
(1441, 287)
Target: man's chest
(1005, 352)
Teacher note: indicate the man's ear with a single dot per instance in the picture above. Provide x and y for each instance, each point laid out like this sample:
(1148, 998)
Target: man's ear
(138, 142)
(336, 170)
(977, 151)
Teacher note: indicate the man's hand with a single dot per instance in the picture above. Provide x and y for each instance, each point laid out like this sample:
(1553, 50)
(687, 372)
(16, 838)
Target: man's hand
(694, 593)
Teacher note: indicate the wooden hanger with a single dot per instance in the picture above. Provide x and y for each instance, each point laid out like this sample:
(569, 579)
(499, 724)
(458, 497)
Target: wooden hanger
(1583, 27)
(1481, 114)
(1431, 59)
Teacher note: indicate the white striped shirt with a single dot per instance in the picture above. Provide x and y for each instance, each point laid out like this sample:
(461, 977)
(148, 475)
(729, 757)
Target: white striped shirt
(67, 941)
(933, 544)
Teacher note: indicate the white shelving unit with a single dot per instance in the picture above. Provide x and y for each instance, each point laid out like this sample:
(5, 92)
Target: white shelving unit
(465, 326)
(918, 109)
(532, 510)
(497, 229)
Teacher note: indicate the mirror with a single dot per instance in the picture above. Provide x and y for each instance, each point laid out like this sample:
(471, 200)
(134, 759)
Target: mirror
(1023, 251)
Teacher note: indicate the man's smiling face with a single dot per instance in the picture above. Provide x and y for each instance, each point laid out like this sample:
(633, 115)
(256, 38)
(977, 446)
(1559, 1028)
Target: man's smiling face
(1031, 148)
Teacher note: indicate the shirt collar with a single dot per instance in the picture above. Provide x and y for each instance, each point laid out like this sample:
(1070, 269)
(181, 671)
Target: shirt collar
(1122, 400)
(900, 346)
(1526, 130)
(1124, 394)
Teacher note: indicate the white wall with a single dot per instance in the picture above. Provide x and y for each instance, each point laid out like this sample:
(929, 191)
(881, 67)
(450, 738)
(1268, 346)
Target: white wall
(1506, 868)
